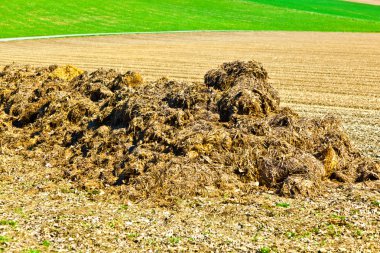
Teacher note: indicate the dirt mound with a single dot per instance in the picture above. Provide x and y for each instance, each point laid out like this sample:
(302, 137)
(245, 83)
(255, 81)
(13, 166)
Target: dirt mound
(176, 139)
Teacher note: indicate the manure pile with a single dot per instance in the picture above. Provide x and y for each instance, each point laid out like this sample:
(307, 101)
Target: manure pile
(170, 138)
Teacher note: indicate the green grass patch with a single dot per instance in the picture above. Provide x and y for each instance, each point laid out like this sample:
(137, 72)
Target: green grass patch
(359, 232)
(123, 207)
(283, 204)
(19, 18)
(339, 217)
(4, 239)
(334, 231)
(46, 243)
(174, 240)
(11, 223)
(133, 235)
(31, 251)
(264, 250)
(291, 234)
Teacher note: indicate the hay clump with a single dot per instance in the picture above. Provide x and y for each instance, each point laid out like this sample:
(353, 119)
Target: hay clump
(231, 73)
(175, 139)
(67, 72)
(129, 79)
(246, 90)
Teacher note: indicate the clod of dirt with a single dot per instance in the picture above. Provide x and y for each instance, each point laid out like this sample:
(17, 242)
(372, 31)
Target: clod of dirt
(174, 139)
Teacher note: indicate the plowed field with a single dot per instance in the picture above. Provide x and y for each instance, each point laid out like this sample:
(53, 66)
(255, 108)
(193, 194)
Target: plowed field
(315, 73)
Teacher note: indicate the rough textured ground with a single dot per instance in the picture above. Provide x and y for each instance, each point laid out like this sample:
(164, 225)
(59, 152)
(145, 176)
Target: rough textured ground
(37, 209)
(337, 72)
(315, 73)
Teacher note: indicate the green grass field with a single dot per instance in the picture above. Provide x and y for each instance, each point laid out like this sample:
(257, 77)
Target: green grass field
(19, 18)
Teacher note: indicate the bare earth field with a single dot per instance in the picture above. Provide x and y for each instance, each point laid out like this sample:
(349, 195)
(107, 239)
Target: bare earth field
(315, 74)
(373, 2)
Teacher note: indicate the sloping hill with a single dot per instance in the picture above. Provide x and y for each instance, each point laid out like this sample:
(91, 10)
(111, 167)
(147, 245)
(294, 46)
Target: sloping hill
(20, 18)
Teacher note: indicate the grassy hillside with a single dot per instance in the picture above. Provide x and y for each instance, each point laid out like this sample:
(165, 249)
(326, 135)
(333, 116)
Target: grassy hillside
(45, 17)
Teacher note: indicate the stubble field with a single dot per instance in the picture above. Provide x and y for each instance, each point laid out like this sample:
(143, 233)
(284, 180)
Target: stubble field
(315, 74)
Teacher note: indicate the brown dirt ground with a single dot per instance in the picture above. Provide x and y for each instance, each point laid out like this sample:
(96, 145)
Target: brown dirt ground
(315, 73)
(36, 207)
(373, 2)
